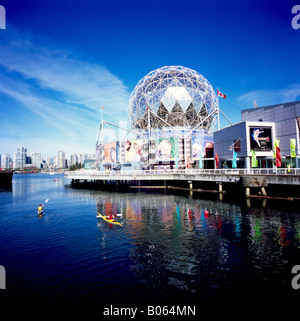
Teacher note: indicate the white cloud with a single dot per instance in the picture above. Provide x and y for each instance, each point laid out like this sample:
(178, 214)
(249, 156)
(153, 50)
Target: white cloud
(269, 96)
(80, 82)
(61, 94)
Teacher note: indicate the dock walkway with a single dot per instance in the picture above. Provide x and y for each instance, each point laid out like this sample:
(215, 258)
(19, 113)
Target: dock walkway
(261, 176)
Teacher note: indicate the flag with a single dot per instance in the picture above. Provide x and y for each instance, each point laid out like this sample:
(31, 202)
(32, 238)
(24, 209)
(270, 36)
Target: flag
(188, 162)
(200, 161)
(234, 160)
(278, 157)
(276, 144)
(217, 160)
(220, 94)
(102, 107)
(255, 105)
(253, 159)
(176, 162)
(293, 147)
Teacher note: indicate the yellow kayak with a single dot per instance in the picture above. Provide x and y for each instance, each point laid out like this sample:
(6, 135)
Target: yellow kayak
(113, 221)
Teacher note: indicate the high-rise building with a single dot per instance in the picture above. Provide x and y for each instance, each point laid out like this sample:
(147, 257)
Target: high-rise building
(15, 160)
(5, 161)
(20, 157)
(36, 159)
(61, 159)
(55, 161)
(50, 162)
(82, 157)
(73, 159)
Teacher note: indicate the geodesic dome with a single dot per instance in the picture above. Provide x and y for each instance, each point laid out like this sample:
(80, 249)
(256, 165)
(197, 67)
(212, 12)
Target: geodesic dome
(172, 96)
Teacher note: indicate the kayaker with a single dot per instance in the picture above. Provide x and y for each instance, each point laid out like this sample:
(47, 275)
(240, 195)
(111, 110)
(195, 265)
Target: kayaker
(110, 217)
(40, 209)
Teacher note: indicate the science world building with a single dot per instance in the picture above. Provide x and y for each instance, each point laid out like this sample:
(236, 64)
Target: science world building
(173, 123)
(172, 114)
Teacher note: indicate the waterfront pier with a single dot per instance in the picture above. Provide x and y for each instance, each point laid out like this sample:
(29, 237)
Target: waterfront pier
(257, 180)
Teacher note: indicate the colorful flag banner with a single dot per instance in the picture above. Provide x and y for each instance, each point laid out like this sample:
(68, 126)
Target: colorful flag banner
(200, 161)
(188, 162)
(220, 94)
(293, 147)
(217, 160)
(278, 157)
(276, 144)
(176, 162)
(102, 107)
(253, 159)
(255, 105)
(234, 160)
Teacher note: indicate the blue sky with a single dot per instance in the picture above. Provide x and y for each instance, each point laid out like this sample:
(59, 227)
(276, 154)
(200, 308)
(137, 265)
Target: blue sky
(61, 60)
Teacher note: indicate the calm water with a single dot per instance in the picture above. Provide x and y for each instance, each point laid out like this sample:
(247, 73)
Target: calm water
(171, 248)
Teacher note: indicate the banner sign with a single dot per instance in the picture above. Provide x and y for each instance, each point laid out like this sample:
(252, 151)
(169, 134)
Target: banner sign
(110, 153)
(133, 150)
(167, 148)
(260, 139)
(198, 146)
(293, 147)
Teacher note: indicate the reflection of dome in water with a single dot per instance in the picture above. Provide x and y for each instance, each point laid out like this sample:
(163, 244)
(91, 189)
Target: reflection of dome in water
(176, 96)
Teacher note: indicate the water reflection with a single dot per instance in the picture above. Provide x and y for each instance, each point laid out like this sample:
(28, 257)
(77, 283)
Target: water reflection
(170, 247)
(195, 247)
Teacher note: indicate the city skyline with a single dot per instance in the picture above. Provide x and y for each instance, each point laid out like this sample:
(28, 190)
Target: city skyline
(59, 62)
(22, 158)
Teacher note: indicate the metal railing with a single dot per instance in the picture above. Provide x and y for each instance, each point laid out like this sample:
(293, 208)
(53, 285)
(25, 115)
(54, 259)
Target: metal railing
(188, 171)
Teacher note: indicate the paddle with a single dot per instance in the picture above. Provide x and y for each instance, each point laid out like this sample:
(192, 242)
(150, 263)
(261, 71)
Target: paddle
(104, 215)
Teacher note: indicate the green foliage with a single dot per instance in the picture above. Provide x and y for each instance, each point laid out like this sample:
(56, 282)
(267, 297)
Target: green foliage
(75, 167)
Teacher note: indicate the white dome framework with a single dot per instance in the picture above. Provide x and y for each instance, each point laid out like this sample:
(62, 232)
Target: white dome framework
(172, 113)
(173, 96)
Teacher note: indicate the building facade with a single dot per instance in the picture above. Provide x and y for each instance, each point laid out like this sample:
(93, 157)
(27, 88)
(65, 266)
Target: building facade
(5, 161)
(172, 113)
(260, 131)
(242, 138)
(36, 159)
(286, 119)
(61, 159)
(73, 159)
(19, 159)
